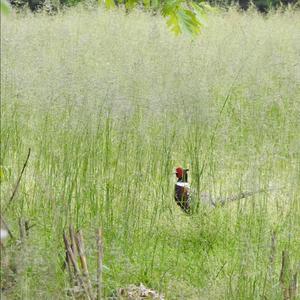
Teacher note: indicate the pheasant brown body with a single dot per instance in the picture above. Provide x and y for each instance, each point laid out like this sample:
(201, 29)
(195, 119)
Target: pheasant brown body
(182, 193)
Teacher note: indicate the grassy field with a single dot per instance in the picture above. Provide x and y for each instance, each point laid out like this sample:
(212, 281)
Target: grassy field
(110, 104)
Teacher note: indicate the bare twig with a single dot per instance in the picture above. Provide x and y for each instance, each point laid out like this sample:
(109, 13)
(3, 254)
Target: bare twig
(22, 229)
(100, 263)
(273, 251)
(283, 279)
(75, 265)
(85, 272)
(288, 281)
(81, 272)
(73, 242)
(18, 181)
(67, 263)
(28, 227)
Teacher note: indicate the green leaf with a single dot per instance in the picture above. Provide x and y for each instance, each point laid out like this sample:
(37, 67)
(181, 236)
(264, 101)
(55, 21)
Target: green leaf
(108, 3)
(155, 4)
(173, 23)
(5, 7)
(130, 4)
(147, 3)
(181, 15)
(200, 12)
(189, 21)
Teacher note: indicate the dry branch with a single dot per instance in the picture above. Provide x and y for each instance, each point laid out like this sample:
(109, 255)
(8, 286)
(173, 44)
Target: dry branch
(288, 281)
(73, 242)
(283, 275)
(18, 181)
(272, 252)
(81, 271)
(27, 227)
(68, 263)
(85, 272)
(75, 265)
(24, 229)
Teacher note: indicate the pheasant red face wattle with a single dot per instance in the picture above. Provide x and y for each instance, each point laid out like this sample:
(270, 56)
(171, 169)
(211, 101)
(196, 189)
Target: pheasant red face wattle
(179, 172)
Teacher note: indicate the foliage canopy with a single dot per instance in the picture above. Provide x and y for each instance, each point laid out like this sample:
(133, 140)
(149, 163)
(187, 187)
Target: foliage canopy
(181, 15)
(4, 7)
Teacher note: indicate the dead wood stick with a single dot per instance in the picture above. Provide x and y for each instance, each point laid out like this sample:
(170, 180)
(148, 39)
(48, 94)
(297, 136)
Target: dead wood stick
(272, 252)
(75, 265)
(283, 279)
(28, 227)
(18, 181)
(100, 263)
(67, 263)
(85, 272)
(22, 229)
(6, 227)
(68, 260)
(69, 268)
(73, 242)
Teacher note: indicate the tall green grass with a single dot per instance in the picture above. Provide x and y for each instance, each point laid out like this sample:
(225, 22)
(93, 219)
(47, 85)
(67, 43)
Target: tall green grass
(110, 104)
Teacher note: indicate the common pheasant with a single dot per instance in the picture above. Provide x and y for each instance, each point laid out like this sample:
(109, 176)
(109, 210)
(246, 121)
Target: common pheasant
(184, 200)
(182, 190)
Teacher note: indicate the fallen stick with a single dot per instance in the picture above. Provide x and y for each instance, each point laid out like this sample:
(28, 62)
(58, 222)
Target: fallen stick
(75, 265)
(73, 242)
(18, 181)
(272, 252)
(67, 263)
(85, 272)
(28, 227)
(283, 278)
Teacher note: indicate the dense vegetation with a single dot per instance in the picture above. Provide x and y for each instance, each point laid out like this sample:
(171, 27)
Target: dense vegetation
(182, 15)
(110, 104)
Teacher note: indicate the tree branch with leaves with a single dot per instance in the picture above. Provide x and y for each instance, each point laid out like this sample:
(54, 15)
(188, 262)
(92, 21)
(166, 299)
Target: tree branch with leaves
(181, 15)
